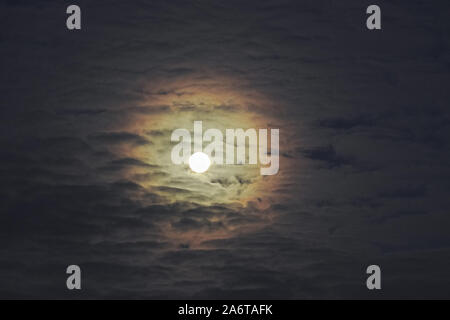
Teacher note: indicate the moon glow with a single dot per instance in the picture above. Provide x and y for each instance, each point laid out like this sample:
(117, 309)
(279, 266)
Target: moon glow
(199, 162)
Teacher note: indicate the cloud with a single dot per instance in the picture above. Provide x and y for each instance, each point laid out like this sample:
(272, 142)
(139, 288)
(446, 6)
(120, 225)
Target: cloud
(398, 214)
(87, 179)
(111, 138)
(347, 123)
(328, 156)
(406, 192)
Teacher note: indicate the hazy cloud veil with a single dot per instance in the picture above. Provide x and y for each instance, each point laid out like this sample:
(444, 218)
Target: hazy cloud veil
(86, 177)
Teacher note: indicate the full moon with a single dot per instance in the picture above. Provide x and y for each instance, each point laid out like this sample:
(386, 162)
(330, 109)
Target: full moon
(199, 162)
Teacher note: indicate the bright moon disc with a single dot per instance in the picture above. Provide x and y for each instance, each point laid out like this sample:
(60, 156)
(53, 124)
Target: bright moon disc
(199, 162)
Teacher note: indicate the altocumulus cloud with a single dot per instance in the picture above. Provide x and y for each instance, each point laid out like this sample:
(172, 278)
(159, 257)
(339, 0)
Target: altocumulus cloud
(364, 176)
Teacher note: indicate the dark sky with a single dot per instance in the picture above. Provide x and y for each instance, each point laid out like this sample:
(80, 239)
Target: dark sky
(86, 118)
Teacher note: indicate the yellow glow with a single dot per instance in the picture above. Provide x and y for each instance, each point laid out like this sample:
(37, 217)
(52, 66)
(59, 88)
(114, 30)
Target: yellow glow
(221, 103)
(199, 162)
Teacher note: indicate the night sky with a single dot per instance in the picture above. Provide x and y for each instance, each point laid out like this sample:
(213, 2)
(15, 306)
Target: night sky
(85, 124)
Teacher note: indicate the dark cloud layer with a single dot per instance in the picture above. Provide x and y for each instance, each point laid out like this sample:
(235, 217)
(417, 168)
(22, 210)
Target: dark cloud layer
(365, 163)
